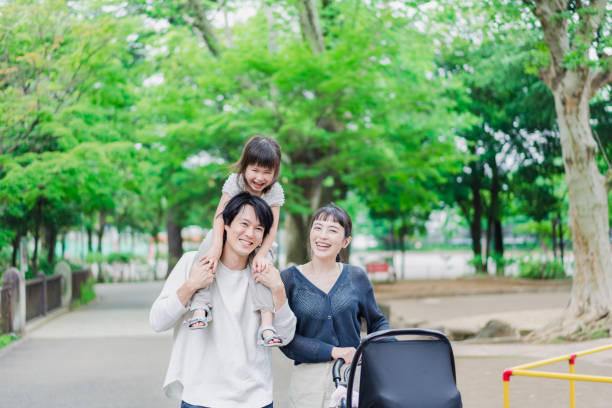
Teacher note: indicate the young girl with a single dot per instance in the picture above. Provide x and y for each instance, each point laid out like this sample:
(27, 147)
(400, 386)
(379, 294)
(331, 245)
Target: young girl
(256, 173)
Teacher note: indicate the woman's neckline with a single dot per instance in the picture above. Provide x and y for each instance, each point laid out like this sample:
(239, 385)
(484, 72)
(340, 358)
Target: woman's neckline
(342, 267)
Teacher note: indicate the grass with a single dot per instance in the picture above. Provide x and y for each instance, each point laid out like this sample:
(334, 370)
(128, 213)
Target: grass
(6, 339)
(87, 293)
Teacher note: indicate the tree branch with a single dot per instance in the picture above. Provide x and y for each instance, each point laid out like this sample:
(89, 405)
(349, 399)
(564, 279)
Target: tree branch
(201, 23)
(556, 35)
(600, 79)
(309, 21)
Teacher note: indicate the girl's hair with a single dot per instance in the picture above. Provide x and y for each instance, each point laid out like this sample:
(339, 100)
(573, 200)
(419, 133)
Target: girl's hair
(331, 212)
(261, 151)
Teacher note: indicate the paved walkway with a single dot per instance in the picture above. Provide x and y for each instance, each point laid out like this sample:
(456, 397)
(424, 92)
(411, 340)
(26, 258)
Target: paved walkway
(105, 355)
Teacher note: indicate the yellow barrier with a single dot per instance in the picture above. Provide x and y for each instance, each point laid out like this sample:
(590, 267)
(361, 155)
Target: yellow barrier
(572, 377)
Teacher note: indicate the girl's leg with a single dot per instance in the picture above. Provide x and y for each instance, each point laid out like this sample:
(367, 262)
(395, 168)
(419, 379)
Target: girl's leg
(201, 302)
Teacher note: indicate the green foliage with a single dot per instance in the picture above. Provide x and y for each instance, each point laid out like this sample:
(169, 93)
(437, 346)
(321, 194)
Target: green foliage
(541, 269)
(121, 257)
(476, 262)
(6, 339)
(117, 113)
(88, 293)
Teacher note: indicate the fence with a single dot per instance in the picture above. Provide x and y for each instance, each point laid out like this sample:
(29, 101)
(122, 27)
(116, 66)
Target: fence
(524, 370)
(42, 294)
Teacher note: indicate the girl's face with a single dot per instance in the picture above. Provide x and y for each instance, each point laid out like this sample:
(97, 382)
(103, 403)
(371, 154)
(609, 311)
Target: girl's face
(327, 238)
(257, 178)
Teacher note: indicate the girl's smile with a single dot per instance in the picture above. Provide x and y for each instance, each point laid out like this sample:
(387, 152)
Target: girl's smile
(257, 178)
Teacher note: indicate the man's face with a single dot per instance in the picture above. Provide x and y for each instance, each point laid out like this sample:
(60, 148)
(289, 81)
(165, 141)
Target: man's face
(245, 233)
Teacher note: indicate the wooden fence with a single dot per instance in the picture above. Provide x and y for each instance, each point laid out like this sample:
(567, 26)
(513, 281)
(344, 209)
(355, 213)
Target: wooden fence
(42, 295)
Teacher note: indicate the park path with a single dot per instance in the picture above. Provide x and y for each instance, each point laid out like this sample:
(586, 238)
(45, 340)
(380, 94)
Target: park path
(105, 355)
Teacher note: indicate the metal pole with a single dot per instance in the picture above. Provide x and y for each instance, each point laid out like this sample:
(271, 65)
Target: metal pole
(572, 383)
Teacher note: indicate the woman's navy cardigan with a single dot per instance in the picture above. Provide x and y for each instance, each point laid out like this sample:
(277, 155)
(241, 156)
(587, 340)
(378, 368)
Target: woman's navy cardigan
(326, 320)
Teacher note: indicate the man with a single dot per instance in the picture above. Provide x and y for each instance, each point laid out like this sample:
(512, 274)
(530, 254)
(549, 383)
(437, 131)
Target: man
(223, 366)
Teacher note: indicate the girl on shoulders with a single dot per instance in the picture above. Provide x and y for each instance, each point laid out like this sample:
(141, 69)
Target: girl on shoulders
(257, 173)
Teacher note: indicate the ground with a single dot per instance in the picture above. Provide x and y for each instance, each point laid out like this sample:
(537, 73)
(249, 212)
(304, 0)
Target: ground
(470, 285)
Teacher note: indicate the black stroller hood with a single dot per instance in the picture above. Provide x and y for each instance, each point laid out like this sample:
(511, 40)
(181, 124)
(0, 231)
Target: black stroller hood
(406, 373)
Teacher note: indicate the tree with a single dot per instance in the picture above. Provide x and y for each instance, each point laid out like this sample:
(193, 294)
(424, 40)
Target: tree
(492, 58)
(577, 34)
(317, 99)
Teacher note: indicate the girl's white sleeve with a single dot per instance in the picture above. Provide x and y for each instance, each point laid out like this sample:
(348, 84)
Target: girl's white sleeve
(231, 186)
(167, 308)
(276, 195)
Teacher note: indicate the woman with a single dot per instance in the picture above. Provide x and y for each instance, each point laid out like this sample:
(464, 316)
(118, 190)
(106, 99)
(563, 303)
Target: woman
(329, 300)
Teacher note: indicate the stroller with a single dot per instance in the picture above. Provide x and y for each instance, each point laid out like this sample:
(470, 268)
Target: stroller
(396, 373)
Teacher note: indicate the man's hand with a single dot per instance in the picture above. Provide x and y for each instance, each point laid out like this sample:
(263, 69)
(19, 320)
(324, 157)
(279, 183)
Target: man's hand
(211, 257)
(260, 263)
(269, 277)
(201, 275)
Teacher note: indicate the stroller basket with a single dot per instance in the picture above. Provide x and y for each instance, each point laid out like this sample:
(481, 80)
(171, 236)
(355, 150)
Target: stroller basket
(405, 373)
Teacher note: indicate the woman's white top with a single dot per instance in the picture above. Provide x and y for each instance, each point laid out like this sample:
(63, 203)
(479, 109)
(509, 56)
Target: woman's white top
(221, 365)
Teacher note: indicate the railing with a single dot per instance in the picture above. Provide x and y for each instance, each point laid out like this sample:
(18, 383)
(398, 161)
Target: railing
(42, 294)
(522, 370)
(6, 310)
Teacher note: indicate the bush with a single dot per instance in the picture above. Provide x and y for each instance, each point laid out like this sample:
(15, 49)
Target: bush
(121, 257)
(87, 293)
(537, 269)
(5, 339)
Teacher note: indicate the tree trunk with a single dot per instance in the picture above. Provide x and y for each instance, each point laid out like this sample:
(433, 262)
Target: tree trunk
(476, 227)
(573, 85)
(101, 225)
(201, 23)
(175, 241)
(37, 218)
(561, 246)
(63, 245)
(554, 237)
(591, 291)
(297, 226)
(297, 233)
(15, 244)
(498, 247)
(50, 241)
(89, 239)
(311, 28)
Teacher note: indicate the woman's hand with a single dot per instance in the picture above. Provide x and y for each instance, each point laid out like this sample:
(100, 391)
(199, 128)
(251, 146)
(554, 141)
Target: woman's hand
(269, 277)
(201, 275)
(345, 353)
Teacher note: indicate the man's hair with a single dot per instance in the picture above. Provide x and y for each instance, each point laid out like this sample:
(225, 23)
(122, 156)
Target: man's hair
(262, 210)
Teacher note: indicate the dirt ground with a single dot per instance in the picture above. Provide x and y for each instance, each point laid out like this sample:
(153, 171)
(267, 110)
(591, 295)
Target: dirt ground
(471, 285)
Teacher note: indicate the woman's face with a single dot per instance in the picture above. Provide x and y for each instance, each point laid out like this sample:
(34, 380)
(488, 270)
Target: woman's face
(327, 238)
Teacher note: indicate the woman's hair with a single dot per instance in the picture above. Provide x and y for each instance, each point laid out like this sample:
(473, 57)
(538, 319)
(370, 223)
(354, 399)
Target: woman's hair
(261, 151)
(331, 212)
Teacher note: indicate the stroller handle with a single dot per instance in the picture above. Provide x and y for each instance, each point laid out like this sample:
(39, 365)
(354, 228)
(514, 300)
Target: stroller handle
(336, 371)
